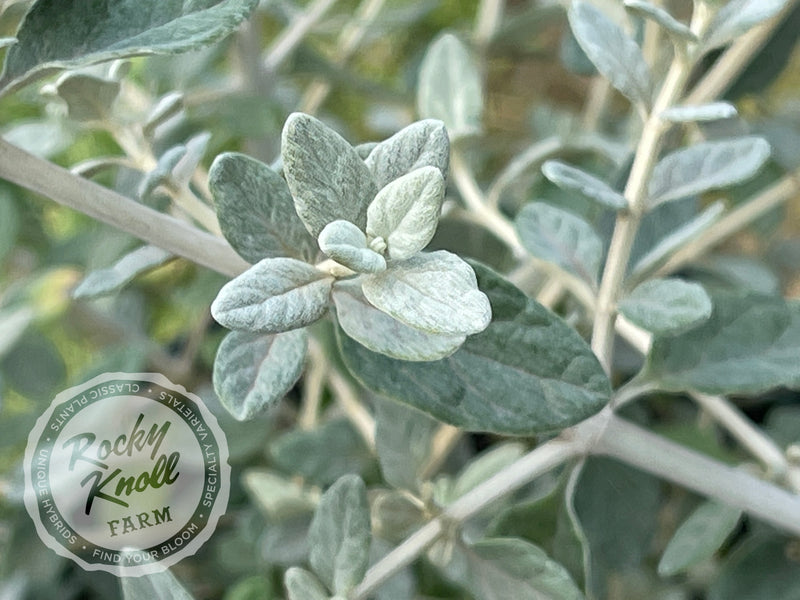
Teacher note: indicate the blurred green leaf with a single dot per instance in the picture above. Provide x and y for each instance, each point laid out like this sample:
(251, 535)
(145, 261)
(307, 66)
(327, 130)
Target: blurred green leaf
(122, 272)
(666, 306)
(158, 586)
(302, 585)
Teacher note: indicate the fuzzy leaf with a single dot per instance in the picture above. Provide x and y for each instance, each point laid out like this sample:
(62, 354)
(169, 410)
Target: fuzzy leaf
(326, 176)
(749, 345)
(324, 454)
(707, 166)
(450, 87)
(666, 246)
(737, 17)
(256, 211)
(503, 568)
(346, 244)
(561, 237)
(666, 306)
(382, 333)
(703, 112)
(61, 34)
(615, 55)
(421, 144)
(698, 537)
(434, 292)
(302, 585)
(529, 372)
(253, 372)
(340, 535)
(157, 586)
(570, 178)
(403, 437)
(661, 17)
(405, 213)
(106, 281)
(272, 296)
(88, 98)
(486, 464)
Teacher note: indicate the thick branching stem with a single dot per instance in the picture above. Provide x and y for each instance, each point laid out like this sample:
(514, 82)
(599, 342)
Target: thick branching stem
(171, 234)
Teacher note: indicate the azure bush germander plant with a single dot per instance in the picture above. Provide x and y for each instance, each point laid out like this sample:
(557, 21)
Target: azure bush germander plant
(555, 298)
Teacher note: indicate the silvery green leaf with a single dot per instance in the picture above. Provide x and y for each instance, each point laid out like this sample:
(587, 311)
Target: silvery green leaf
(382, 333)
(405, 213)
(13, 323)
(661, 17)
(107, 281)
(302, 585)
(486, 464)
(659, 253)
(403, 439)
(323, 454)
(256, 211)
(7, 41)
(737, 17)
(327, 177)
(161, 173)
(529, 372)
(88, 98)
(561, 237)
(707, 166)
(195, 150)
(435, 292)
(347, 244)
(615, 55)
(363, 150)
(340, 535)
(55, 35)
(167, 107)
(277, 496)
(666, 306)
(571, 178)
(273, 296)
(749, 345)
(421, 144)
(157, 586)
(252, 372)
(395, 516)
(450, 87)
(41, 138)
(503, 568)
(698, 537)
(760, 567)
(702, 112)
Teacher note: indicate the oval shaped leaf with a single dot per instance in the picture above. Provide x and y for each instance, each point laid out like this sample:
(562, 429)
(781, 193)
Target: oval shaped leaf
(703, 112)
(662, 18)
(570, 178)
(405, 213)
(664, 306)
(157, 586)
(698, 537)
(340, 535)
(106, 281)
(707, 166)
(302, 585)
(762, 567)
(421, 144)
(346, 244)
(60, 35)
(749, 345)
(450, 87)
(737, 17)
(326, 176)
(252, 372)
(528, 373)
(256, 211)
(434, 292)
(615, 55)
(382, 333)
(504, 568)
(560, 237)
(272, 296)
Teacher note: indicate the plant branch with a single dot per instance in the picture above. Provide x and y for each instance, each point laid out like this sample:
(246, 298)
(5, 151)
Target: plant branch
(291, 37)
(733, 222)
(735, 60)
(169, 233)
(348, 399)
(488, 19)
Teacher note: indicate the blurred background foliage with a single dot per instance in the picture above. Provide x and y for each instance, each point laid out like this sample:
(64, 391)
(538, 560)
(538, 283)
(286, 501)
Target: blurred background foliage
(537, 81)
